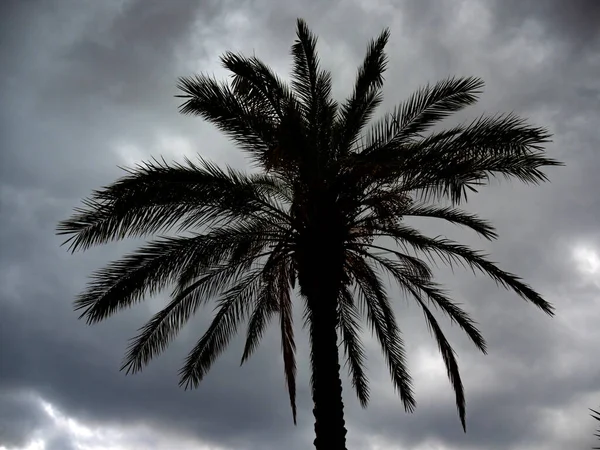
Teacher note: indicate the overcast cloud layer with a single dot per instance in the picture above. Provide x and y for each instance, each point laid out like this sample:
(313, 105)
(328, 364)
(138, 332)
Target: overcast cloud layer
(88, 85)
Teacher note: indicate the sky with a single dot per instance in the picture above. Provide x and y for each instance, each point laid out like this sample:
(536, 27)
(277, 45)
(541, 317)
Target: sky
(87, 86)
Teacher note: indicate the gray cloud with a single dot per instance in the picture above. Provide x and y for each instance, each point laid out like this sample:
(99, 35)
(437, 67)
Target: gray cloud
(88, 86)
(20, 417)
(575, 22)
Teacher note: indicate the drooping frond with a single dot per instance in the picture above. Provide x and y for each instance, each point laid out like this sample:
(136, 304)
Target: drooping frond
(449, 357)
(416, 287)
(228, 253)
(380, 316)
(159, 263)
(406, 263)
(453, 215)
(264, 309)
(286, 324)
(355, 353)
(412, 282)
(157, 334)
(126, 281)
(233, 307)
(453, 253)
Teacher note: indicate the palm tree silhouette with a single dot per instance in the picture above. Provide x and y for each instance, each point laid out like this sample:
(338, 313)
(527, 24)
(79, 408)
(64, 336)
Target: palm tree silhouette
(312, 217)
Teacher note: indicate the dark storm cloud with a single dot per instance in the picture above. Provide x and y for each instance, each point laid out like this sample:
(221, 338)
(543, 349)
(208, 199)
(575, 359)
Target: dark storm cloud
(81, 78)
(576, 22)
(20, 417)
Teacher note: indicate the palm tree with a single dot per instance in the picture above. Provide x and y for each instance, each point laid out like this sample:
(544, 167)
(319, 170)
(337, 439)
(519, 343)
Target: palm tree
(312, 216)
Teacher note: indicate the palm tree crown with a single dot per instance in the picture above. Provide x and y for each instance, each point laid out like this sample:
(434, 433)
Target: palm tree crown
(312, 217)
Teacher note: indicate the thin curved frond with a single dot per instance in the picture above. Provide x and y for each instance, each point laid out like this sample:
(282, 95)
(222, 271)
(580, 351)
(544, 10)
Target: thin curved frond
(233, 307)
(411, 282)
(455, 216)
(380, 316)
(159, 263)
(157, 334)
(449, 357)
(286, 324)
(349, 325)
(406, 263)
(231, 252)
(452, 253)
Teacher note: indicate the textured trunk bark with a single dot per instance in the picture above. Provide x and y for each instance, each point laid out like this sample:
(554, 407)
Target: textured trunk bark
(328, 409)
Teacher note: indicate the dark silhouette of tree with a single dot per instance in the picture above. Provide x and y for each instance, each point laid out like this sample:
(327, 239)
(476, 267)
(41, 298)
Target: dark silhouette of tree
(312, 217)
(596, 415)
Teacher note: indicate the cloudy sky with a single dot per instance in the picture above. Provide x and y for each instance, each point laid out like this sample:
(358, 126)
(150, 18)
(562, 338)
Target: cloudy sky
(87, 85)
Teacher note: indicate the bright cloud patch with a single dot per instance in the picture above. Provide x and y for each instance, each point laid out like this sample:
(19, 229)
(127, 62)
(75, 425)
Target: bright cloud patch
(587, 259)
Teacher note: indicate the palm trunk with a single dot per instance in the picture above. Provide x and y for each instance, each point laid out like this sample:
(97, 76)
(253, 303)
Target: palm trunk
(321, 266)
(328, 409)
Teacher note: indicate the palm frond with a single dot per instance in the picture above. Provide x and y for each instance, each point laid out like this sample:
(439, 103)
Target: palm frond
(425, 108)
(312, 86)
(452, 252)
(380, 316)
(254, 81)
(145, 272)
(288, 345)
(355, 353)
(157, 334)
(305, 70)
(447, 164)
(449, 358)
(233, 307)
(156, 197)
(359, 108)
(407, 263)
(266, 306)
(159, 263)
(218, 104)
(247, 240)
(413, 282)
(454, 215)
